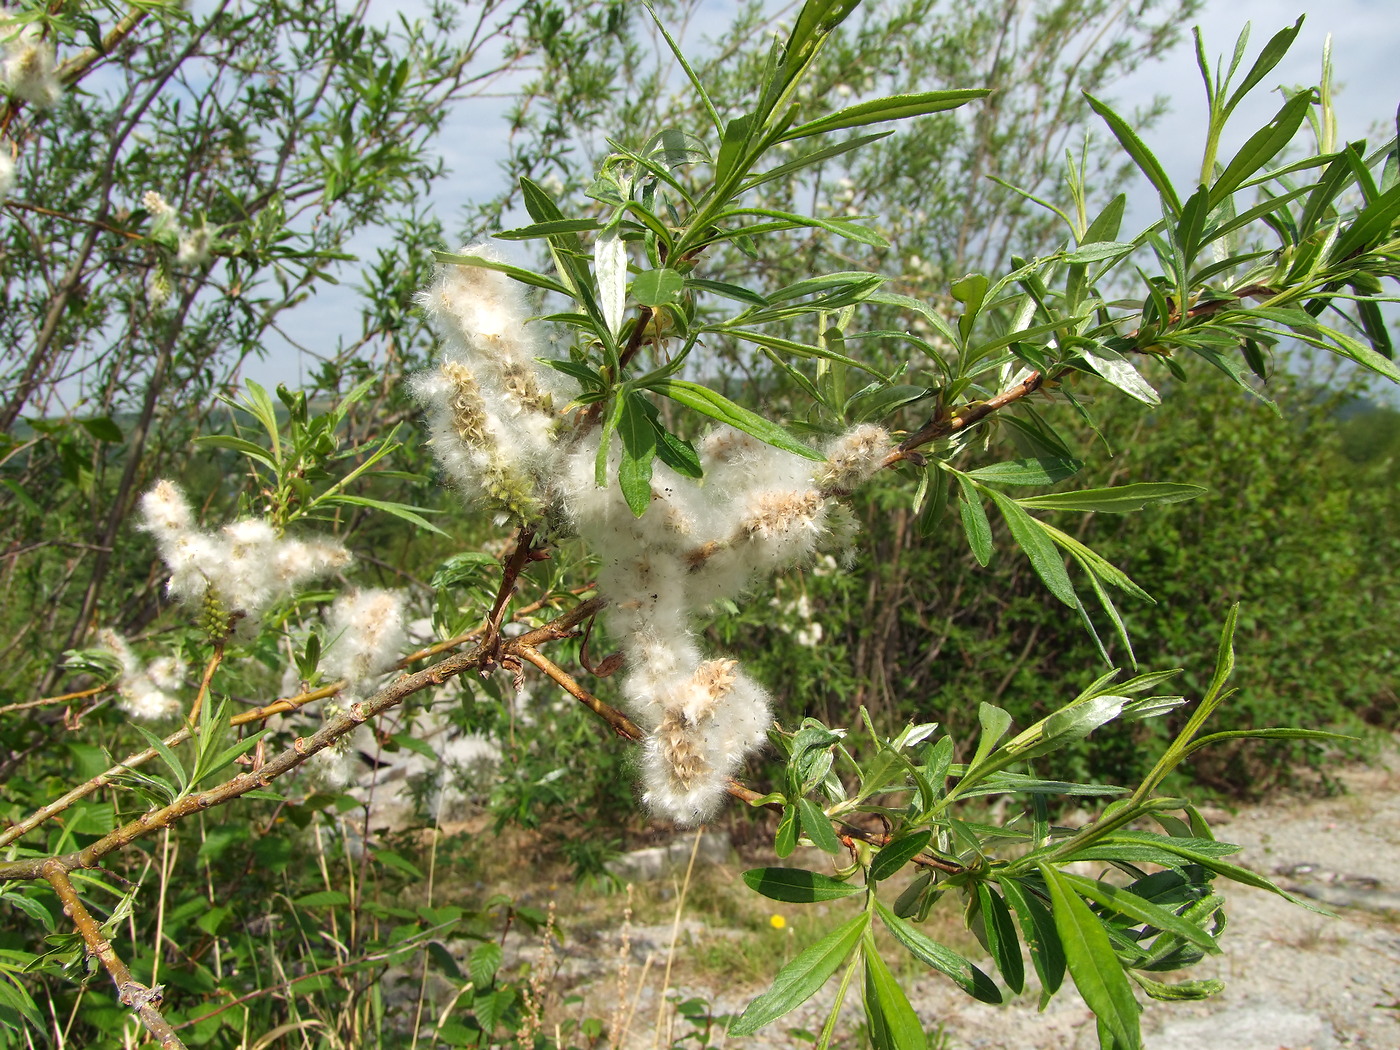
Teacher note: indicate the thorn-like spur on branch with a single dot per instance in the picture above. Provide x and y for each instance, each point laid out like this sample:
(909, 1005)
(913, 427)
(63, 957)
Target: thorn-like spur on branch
(942, 426)
(129, 991)
(524, 553)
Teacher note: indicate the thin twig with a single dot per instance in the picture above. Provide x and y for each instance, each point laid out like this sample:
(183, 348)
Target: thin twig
(79, 695)
(129, 992)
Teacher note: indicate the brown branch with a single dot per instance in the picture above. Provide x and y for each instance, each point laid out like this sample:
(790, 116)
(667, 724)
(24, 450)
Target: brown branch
(79, 695)
(129, 992)
(629, 730)
(524, 553)
(213, 665)
(942, 426)
(302, 749)
(621, 724)
(76, 219)
(258, 714)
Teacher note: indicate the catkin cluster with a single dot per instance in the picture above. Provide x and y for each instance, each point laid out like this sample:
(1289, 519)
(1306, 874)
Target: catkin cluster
(27, 62)
(243, 568)
(756, 511)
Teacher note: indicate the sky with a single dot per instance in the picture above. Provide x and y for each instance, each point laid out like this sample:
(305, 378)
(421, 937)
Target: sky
(1365, 41)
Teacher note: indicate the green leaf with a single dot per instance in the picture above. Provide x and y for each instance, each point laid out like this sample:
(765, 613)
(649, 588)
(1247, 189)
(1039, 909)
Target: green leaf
(799, 980)
(785, 840)
(898, 852)
(677, 453)
(166, 755)
(1044, 556)
(893, 107)
(715, 405)
(398, 510)
(1027, 471)
(1120, 499)
(547, 229)
(1095, 968)
(103, 429)
(817, 827)
(892, 1021)
(1180, 992)
(1117, 370)
(534, 280)
(852, 231)
(1369, 227)
(1100, 251)
(1038, 928)
(401, 864)
(485, 960)
(237, 444)
(1138, 151)
(1261, 147)
(409, 742)
(797, 885)
(1001, 937)
(946, 961)
(1131, 905)
(1268, 58)
(995, 721)
(974, 520)
(638, 450)
(657, 288)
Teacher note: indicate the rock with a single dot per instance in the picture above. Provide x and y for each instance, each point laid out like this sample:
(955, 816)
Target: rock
(643, 865)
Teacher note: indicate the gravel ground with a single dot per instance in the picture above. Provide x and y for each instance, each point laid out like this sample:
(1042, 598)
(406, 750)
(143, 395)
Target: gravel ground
(1294, 980)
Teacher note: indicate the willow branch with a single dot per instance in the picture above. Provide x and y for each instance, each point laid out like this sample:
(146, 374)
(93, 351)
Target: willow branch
(942, 426)
(217, 658)
(302, 749)
(629, 730)
(621, 724)
(259, 714)
(81, 694)
(129, 991)
(523, 554)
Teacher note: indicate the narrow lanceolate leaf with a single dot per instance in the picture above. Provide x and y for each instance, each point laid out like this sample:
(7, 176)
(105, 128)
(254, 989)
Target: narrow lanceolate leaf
(1096, 970)
(1121, 499)
(797, 885)
(798, 980)
(610, 271)
(975, 524)
(1116, 368)
(785, 841)
(1141, 155)
(943, 959)
(817, 827)
(535, 280)
(1038, 928)
(1001, 937)
(1045, 557)
(638, 435)
(893, 1023)
(1027, 471)
(897, 853)
(1120, 900)
(894, 107)
(717, 406)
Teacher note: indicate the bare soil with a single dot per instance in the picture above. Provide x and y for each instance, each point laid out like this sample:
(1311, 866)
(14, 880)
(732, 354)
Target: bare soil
(1294, 979)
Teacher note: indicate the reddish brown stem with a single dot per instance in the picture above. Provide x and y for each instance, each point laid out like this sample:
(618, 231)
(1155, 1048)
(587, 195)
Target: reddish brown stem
(129, 991)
